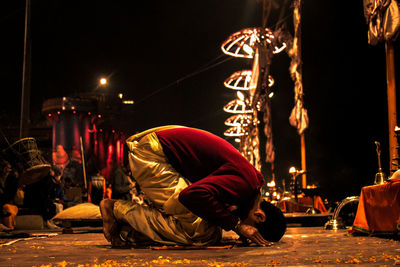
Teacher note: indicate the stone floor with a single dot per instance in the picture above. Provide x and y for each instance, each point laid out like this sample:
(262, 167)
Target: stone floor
(301, 246)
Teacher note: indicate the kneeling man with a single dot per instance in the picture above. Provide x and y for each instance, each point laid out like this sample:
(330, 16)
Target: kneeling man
(196, 184)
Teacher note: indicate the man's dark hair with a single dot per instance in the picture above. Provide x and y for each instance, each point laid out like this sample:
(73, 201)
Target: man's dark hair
(274, 226)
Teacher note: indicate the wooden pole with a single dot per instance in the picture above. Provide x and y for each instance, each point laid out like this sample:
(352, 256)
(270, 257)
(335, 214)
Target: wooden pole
(26, 73)
(83, 163)
(303, 161)
(302, 137)
(391, 95)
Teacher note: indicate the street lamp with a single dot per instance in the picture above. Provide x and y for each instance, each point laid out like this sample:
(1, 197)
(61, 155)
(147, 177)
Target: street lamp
(103, 81)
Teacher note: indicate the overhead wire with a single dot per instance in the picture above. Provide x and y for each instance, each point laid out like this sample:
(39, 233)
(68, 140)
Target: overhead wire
(206, 67)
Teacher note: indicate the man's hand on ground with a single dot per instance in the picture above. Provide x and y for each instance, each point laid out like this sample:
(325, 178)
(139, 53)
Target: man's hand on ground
(250, 232)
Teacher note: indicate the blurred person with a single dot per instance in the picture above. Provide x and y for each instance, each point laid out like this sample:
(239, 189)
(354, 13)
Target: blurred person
(197, 184)
(72, 194)
(122, 185)
(96, 188)
(60, 157)
(74, 169)
(57, 194)
(8, 190)
(41, 196)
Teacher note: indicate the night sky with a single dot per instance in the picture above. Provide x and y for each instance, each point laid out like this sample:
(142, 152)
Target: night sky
(166, 56)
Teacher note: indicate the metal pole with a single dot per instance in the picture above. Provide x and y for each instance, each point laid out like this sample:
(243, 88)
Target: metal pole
(391, 95)
(26, 73)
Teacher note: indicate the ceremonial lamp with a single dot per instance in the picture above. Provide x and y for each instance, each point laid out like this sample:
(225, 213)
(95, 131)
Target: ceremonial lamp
(308, 191)
(380, 176)
(295, 173)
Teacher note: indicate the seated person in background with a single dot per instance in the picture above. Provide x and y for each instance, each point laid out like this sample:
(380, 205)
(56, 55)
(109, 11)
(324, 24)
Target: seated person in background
(74, 169)
(8, 190)
(72, 194)
(122, 184)
(96, 188)
(40, 197)
(57, 194)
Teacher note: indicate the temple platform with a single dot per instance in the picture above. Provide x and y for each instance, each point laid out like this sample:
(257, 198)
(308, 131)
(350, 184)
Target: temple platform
(305, 246)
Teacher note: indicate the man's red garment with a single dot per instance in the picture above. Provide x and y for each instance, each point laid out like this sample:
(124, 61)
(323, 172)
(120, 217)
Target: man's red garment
(221, 177)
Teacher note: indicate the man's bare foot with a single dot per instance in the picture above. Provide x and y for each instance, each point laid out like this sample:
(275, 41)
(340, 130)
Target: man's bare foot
(110, 224)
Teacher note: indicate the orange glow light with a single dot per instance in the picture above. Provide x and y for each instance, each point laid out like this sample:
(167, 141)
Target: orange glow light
(103, 81)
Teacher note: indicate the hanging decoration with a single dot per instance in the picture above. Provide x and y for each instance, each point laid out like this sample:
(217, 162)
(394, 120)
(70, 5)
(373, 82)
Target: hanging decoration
(242, 43)
(383, 19)
(250, 147)
(298, 117)
(236, 131)
(255, 87)
(239, 119)
(239, 80)
(261, 44)
(237, 106)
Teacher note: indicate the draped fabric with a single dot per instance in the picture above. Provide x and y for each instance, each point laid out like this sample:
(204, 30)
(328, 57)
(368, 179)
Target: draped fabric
(269, 146)
(383, 20)
(250, 147)
(298, 117)
(259, 91)
(303, 204)
(378, 210)
(250, 143)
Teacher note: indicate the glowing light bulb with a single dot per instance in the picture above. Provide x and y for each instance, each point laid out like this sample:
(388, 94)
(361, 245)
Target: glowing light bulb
(240, 95)
(292, 170)
(103, 81)
(248, 49)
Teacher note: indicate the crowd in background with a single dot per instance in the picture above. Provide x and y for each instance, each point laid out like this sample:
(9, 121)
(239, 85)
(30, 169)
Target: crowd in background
(67, 184)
